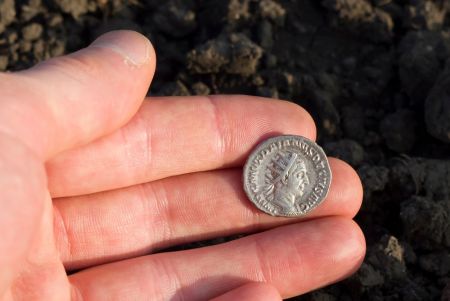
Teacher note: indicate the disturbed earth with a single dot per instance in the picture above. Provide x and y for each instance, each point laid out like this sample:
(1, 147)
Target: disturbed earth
(374, 74)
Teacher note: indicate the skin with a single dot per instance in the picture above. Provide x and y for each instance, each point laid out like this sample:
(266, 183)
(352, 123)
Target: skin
(93, 178)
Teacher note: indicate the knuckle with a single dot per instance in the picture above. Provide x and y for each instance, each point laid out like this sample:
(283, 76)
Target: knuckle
(78, 68)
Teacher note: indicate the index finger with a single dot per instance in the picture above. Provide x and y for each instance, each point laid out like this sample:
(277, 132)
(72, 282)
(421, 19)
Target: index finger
(176, 135)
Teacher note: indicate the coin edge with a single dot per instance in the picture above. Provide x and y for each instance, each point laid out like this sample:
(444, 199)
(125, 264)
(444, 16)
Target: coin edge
(257, 149)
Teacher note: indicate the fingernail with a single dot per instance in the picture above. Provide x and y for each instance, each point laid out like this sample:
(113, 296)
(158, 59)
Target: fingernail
(132, 46)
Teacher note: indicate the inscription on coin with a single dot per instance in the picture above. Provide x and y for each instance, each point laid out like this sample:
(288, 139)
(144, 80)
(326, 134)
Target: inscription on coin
(287, 176)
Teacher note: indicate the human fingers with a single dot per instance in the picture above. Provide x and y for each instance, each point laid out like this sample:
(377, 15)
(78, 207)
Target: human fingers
(58, 104)
(73, 99)
(176, 135)
(22, 202)
(294, 259)
(254, 291)
(104, 227)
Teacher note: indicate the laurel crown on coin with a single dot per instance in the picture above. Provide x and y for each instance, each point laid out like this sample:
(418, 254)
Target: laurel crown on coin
(281, 167)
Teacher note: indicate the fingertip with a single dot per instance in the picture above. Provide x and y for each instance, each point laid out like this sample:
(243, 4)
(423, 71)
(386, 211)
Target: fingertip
(319, 252)
(357, 243)
(299, 119)
(291, 117)
(135, 48)
(345, 186)
(307, 120)
(336, 245)
(350, 243)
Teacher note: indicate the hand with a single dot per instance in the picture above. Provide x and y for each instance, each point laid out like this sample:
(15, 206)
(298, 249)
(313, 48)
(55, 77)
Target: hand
(94, 179)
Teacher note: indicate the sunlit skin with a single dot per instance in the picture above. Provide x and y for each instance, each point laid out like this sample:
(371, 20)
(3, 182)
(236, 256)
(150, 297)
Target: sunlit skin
(95, 180)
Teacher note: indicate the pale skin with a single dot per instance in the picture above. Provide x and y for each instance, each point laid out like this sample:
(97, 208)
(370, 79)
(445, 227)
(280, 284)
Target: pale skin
(94, 178)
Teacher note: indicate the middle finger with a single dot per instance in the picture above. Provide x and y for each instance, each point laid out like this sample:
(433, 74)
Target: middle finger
(133, 221)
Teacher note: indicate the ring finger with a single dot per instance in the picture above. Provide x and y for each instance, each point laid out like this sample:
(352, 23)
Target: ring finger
(294, 259)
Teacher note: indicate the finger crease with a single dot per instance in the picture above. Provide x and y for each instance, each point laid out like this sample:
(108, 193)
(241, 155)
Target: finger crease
(127, 154)
(147, 131)
(170, 273)
(263, 275)
(75, 293)
(63, 242)
(221, 126)
(155, 203)
(165, 212)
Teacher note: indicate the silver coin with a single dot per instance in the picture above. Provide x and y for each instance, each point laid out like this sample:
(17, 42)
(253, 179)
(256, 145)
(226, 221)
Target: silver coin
(287, 176)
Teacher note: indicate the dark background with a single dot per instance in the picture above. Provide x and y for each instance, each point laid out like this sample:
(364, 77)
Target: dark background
(374, 74)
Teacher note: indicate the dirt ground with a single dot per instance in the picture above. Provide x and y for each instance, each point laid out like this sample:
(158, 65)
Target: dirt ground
(374, 74)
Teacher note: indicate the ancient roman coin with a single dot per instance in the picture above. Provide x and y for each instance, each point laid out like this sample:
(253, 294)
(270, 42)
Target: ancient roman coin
(287, 176)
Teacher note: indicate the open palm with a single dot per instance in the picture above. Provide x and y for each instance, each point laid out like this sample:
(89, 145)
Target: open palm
(93, 181)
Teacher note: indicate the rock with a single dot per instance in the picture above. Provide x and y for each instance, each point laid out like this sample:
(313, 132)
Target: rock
(349, 9)
(269, 9)
(265, 35)
(361, 17)
(416, 290)
(433, 177)
(237, 9)
(211, 57)
(393, 248)
(31, 9)
(76, 8)
(321, 90)
(321, 296)
(200, 88)
(269, 92)
(422, 176)
(233, 54)
(353, 122)
(398, 130)
(7, 13)
(422, 55)
(387, 257)
(426, 15)
(446, 292)
(32, 32)
(327, 115)
(176, 88)
(348, 150)
(402, 177)
(176, 18)
(437, 263)
(220, 12)
(437, 107)
(381, 2)
(426, 222)
(368, 276)
(3, 62)
(374, 178)
(25, 46)
(408, 253)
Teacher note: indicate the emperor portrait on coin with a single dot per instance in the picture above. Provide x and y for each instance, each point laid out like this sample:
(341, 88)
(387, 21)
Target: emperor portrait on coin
(287, 176)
